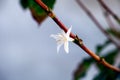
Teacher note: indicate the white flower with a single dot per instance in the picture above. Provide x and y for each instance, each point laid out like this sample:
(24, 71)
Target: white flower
(63, 38)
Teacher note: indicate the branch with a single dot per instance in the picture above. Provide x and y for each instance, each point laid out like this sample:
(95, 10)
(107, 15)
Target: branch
(110, 23)
(108, 19)
(113, 28)
(77, 40)
(109, 10)
(97, 23)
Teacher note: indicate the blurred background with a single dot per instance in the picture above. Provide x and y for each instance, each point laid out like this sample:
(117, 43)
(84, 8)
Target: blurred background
(28, 53)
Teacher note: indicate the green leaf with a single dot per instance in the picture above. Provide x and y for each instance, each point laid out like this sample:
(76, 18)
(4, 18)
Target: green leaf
(99, 48)
(37, 12)
(24, 3)
(82, 68)
(107, 75)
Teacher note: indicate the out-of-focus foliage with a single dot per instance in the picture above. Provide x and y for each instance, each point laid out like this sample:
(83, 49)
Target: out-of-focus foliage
(100, 47)
(104, 74)
(107, 74)
(82, 68)
(37, 12)
(110, 57)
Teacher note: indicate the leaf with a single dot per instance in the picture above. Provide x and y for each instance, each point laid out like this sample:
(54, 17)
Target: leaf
(24, 3)
(39, 18)
(107, 75)
(37, 12)
(82, 68)
(99, 48)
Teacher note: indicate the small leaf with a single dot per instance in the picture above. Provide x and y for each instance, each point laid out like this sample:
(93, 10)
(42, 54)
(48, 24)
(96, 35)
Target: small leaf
(99, 48)
(82, 68)
(24, 3)
(38, 17)
(37, 12)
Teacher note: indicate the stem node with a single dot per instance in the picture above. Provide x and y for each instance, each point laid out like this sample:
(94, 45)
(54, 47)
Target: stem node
(78, 41)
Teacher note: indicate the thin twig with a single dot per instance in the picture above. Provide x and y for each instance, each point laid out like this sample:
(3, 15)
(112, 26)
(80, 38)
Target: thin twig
(77, 40)
(111, 25)
(109, 10)
(108, 20)
(97, 23)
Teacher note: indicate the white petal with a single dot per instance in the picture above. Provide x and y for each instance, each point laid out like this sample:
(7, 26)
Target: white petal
(66, 47)
(62, 32)
(70, 39)
(54, 36)
(63, 38)
(58, 47)
(68, 32)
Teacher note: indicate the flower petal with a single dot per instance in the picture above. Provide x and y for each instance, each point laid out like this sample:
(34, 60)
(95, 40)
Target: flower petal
(63, 38)
(70, 39)
(58, 47)
(68, 32)
(54, 36)
(66, 44)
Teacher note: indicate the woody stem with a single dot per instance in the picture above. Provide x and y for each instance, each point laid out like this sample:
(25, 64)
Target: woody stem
(77, 40)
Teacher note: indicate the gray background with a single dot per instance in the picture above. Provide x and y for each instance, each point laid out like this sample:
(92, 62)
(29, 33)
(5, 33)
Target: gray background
(28, 53)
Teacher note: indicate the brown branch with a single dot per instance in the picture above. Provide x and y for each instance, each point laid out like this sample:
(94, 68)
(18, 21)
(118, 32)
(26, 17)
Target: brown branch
(77, 40)
(111, 25)
(97, 23)
(96, 57)
(52, 15)
(108, 19)
(109, 10)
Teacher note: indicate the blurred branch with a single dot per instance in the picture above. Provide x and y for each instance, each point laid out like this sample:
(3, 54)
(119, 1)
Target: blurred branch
(110, 23)
(97, 23)
(109, 10)
(52, 15)
(115, 32)
(77, 40)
